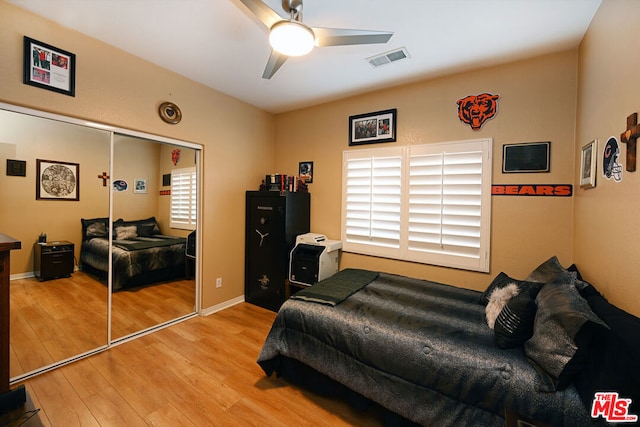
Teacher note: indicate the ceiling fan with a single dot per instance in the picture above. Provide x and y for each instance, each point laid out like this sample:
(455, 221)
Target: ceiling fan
(290, 37)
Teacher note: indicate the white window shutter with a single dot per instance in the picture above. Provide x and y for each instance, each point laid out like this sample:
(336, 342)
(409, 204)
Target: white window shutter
(183, 198)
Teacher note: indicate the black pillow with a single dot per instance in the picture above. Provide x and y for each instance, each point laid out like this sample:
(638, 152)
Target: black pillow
(502, 280)
(562, 334)
(514, 325)
(614, 364)
(94, 227)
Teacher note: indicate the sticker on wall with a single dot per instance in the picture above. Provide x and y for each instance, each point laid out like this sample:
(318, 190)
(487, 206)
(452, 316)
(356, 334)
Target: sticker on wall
(175, 156)
(549, 190)
(611, 167)
(120, 185)
(475, 110)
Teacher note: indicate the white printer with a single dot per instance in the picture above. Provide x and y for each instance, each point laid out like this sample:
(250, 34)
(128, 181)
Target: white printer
(313, 258)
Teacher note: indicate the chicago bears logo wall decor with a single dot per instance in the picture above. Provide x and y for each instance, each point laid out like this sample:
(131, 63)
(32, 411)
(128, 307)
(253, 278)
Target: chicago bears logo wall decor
(474, 110)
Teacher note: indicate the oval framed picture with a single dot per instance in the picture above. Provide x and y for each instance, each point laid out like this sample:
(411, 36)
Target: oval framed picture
(170, 113)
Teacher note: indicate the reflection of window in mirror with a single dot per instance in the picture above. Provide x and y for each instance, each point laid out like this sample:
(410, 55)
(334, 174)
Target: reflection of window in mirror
(183, 198)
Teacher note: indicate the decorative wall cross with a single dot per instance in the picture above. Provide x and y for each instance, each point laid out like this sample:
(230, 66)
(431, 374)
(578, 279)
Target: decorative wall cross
(630, 138)
(104, 177)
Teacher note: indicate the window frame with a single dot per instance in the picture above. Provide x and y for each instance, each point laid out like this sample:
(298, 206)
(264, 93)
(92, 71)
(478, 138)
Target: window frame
(475, 230)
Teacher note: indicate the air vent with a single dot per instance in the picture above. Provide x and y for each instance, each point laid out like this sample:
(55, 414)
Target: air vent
(388, 57)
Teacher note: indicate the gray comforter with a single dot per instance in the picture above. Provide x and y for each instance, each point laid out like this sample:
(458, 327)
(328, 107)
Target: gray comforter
(420, 349)
(133, 257)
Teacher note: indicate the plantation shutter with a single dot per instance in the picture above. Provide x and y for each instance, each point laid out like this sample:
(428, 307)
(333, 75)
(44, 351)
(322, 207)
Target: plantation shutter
(448, 198)
(183, 198)
(427, 203)
(372, 200)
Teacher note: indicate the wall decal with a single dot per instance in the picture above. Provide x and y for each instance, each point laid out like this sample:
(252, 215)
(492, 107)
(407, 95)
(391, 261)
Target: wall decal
(175, 156)
(553, 190)
(611, 167)
(475, 110)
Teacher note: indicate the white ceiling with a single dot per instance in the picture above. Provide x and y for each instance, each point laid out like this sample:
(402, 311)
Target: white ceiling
(220, 44)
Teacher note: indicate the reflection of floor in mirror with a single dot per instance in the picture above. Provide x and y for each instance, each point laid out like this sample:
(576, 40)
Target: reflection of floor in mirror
(140, 308)
(57, 319)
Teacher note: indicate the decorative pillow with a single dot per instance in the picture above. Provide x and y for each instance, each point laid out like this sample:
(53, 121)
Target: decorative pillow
(514, 324)
(124, 233)
(502, 280)
(94, 227)
(498, 300)
(549, 271)
(614, 363)
(145, 230)
(562, 332)
(97, 229)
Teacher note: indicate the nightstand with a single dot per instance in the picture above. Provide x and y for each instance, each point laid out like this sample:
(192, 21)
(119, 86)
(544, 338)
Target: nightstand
(53, 260)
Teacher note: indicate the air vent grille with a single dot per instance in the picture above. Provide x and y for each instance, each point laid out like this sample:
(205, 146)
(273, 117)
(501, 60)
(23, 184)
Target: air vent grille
(388, 57)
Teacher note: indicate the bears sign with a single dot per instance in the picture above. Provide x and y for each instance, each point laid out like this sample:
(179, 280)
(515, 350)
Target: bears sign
(474, 110)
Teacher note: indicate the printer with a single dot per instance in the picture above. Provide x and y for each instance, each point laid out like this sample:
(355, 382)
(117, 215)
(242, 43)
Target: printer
(313, 258)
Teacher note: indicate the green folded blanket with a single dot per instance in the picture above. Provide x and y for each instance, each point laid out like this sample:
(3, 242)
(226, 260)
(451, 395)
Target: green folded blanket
(335, 289)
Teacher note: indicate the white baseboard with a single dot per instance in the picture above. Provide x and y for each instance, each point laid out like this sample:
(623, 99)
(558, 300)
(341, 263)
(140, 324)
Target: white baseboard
(25, 275)
(219, 307)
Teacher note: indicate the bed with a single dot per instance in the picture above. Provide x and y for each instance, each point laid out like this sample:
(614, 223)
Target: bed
(141, 253)
(424, 352)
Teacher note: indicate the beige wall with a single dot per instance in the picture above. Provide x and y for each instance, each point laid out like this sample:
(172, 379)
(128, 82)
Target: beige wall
(116, 88)
(607, 235)
(537, 103)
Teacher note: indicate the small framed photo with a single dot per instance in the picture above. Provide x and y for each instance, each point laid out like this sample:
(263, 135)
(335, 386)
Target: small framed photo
(371, 128)
(588, 165)
(305, 172)
(48, 67)
(140, 186)
(57, 180)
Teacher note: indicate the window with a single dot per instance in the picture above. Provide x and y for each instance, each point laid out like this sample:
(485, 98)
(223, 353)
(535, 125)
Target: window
(426, 203)
(183, 198)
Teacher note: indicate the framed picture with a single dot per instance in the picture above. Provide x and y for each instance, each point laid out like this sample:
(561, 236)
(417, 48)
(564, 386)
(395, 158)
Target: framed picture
(372, 128)
(16, 167)
(305, 172)
(140, 186)
(588, 165)
(48, 67)
(526, 157)
(57, 180)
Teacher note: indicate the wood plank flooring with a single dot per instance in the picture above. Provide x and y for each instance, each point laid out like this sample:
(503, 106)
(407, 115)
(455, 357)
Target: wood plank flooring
(58, 319)
(200, 372)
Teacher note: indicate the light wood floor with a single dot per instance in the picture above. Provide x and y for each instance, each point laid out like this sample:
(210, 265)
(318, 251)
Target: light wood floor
(200, 372)
(58, 319)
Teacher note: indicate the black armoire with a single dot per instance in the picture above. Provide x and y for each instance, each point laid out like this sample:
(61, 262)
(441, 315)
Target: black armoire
(273, 220)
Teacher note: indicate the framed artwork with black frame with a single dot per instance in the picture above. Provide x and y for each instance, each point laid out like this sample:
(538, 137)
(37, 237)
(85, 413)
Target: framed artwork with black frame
(371, 128)
(49, 67)
(57, 180)
(526, 157)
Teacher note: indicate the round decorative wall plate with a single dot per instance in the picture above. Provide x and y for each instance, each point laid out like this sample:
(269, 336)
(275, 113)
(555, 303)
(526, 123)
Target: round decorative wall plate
(170, 113)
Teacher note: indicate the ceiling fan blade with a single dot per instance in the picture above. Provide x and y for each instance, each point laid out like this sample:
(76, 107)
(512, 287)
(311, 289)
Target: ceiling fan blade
(275, 62)
(264, 13)
(342, 37)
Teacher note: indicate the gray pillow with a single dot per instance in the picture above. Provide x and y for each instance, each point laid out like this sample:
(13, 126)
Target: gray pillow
(549, 271)
(563, 328)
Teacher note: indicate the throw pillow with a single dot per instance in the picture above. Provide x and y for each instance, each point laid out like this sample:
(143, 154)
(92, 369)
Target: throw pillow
(124, 233)
(498, 300)
(562, 332)
(514, 324)
(549, 271)
(502, 280)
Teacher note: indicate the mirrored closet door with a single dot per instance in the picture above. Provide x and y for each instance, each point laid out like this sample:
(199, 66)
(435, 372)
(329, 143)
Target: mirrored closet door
(78, 195)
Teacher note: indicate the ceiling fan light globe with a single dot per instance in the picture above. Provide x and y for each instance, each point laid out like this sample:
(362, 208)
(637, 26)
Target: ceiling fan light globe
(291, 38)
